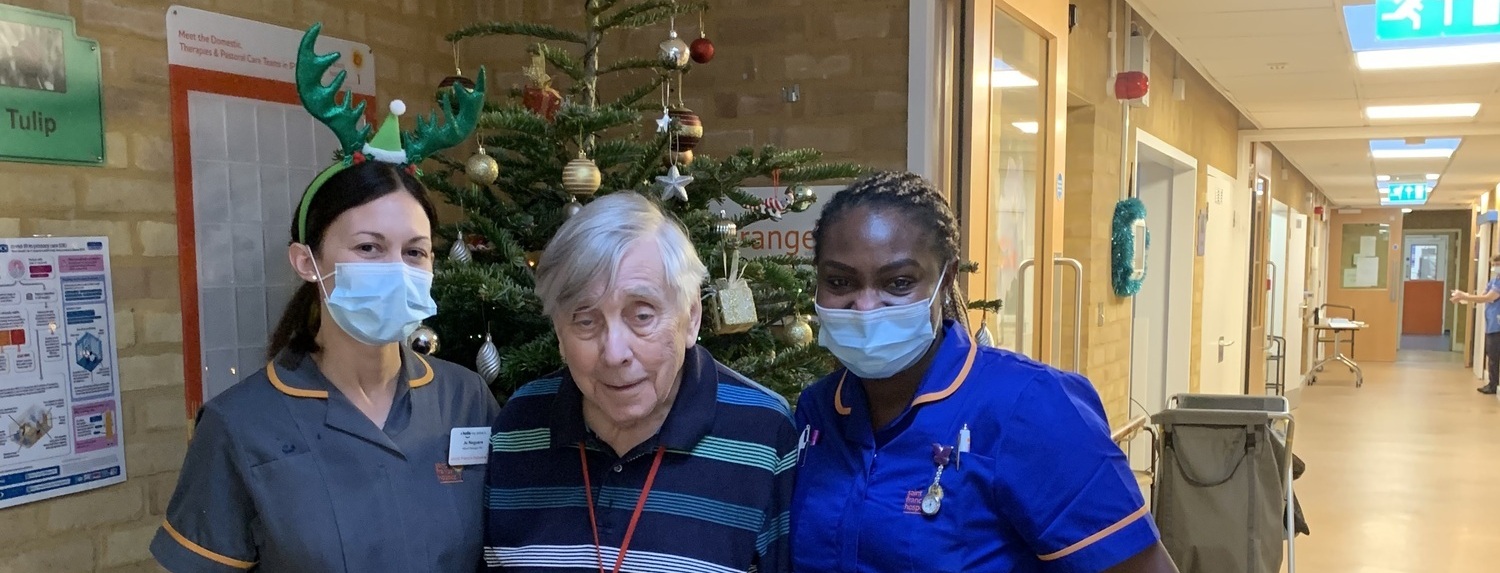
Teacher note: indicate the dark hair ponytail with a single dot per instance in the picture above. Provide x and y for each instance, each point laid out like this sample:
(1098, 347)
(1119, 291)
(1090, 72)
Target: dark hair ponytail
(297, 330)
(924, 206)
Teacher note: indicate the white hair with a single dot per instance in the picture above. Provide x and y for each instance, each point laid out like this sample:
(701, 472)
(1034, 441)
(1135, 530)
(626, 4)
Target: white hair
(588, 247)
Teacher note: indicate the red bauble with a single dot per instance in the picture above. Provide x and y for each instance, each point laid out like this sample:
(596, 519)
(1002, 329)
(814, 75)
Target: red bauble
(702, 50)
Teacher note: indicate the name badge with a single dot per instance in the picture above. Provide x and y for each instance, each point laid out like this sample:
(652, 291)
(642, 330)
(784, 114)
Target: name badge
(469, 446)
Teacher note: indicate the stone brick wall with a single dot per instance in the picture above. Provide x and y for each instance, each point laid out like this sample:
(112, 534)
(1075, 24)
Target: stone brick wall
(131, 200)
(847, 57)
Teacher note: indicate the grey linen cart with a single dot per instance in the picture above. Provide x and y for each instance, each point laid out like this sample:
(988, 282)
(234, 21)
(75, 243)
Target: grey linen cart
(1222, 485)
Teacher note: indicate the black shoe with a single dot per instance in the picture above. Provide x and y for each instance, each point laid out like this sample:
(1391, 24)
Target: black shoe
(1488, 390)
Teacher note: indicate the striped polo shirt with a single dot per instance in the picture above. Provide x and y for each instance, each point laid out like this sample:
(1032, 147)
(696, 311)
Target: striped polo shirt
(718, 505)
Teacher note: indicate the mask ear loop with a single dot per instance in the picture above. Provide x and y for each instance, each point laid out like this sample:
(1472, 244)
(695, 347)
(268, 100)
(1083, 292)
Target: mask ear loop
(317, 272)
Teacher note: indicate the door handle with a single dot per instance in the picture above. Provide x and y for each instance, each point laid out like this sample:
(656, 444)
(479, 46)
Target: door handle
(1222, 346)
(1077, 305)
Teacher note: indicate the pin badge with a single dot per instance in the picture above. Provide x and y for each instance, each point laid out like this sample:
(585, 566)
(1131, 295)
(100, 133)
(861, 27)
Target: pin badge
(963, 446)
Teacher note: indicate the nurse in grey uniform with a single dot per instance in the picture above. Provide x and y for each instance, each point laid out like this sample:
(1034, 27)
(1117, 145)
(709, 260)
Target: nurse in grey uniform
(348, 452)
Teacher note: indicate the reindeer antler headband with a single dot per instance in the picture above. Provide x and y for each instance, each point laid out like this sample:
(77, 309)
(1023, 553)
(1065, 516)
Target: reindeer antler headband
(389, 144)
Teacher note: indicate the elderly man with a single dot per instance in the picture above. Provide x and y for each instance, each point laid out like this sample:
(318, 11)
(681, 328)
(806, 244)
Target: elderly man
(644, 454)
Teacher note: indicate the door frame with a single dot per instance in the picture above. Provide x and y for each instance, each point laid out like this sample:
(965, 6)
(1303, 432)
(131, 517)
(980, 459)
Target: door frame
(1182, 220)
(1048, 19)
(1448, 247)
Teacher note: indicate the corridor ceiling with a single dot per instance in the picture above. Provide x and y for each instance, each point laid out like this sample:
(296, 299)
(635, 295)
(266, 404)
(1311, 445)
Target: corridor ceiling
(1290, 67)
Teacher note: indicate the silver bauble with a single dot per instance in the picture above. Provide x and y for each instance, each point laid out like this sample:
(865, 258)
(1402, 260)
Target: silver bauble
(459, 251)
(424, 340)
(488, 361)
(725, 227)
(674, 53)
(983, 337)
(803, 197)
(572, 208)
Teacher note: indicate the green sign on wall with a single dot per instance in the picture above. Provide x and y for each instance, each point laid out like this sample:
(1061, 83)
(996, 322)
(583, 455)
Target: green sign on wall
(51, 108)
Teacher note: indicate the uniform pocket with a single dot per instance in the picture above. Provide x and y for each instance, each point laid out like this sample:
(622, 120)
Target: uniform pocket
(296, 525)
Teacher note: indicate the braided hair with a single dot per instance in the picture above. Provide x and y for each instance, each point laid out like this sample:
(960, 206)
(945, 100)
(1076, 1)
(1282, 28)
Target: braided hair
(923, 205)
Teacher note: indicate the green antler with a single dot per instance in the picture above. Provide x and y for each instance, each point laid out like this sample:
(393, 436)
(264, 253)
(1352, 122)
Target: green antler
(321, 101)
(430, 137)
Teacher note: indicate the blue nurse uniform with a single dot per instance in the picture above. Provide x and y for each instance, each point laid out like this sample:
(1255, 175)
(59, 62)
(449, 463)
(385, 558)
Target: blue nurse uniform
(1042, 487)
(285, 474)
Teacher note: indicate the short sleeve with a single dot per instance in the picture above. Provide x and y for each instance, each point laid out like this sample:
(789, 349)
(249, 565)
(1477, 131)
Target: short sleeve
(1494, 285)
(1064, 484)
(207, 528)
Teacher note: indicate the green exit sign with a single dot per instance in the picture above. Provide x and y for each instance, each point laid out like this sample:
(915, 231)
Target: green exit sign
(1407, 19)
(1405, 194)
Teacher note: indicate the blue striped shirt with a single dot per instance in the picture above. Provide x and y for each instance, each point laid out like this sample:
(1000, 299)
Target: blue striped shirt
(719, 503)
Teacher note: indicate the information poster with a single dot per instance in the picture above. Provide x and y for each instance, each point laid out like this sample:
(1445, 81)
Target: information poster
(60, 429)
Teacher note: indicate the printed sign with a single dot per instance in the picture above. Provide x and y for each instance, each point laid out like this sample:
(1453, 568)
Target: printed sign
(51, 107)
(792, 235)
(209, 41)
(60, 426)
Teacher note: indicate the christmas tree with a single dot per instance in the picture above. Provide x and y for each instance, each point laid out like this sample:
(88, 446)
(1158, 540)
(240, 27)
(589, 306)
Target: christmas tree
(551, 146)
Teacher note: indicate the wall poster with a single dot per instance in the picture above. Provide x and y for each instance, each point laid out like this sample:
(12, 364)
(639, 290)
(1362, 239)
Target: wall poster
(60, 427)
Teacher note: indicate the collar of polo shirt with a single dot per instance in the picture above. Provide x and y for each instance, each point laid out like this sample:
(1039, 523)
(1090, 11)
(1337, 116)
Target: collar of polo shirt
(690, 419)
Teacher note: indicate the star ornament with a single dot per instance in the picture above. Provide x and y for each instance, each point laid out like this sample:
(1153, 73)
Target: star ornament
(665, 122)
(674, 184)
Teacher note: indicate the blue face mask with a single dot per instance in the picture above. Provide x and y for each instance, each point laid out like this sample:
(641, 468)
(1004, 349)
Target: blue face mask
(379, 303)
(879, 343)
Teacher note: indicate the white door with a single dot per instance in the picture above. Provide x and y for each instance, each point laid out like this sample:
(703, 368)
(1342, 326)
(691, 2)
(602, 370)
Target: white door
(1295, 298)
(1225, 260)
(1481, 279)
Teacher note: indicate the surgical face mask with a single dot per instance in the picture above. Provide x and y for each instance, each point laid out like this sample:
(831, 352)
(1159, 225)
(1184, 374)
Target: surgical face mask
(877, 344)
(1495, 269)
(379, 303)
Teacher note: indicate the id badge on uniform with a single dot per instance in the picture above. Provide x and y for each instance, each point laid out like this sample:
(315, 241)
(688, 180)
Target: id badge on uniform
(469, 446)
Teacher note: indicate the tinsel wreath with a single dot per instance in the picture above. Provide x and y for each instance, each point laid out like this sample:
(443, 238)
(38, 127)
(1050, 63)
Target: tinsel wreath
(1122, 247)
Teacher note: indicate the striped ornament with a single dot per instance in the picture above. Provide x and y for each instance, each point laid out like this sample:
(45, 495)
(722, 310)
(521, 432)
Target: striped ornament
(689, 129)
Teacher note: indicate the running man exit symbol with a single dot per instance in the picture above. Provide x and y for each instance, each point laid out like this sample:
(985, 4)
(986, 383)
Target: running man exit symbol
(1406, 10)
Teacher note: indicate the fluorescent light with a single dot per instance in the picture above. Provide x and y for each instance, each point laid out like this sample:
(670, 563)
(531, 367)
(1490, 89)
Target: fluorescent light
(1027, 126)
(1433, 176)
(1011, 79)
(1382, 177)
(1406, 210)
(1429, 57)
(1418, 153)
(1422, 111)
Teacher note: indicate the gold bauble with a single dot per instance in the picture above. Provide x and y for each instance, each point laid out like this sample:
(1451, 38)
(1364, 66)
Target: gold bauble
(481, 168)
(796, 332)
(683, 158)
(581, 177)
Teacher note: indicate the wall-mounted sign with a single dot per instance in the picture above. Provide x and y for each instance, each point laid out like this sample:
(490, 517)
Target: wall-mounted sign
(51, 107)
(1404, 194)
(1406, 19)
(63, 430)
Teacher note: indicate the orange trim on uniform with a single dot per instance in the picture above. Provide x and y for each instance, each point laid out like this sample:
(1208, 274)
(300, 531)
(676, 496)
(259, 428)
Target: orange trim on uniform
(288, 390)
(204, 553)
(963, 373)
(838, 396)
(425, 378)
(1095, 538)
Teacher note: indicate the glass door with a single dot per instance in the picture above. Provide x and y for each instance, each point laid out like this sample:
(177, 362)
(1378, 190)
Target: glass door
(1012, 166)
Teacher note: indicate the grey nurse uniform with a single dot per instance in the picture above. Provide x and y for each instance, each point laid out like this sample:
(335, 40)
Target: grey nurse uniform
(285, 474)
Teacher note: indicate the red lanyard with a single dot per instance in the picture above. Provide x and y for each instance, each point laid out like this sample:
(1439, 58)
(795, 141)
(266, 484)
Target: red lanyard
(640, 505)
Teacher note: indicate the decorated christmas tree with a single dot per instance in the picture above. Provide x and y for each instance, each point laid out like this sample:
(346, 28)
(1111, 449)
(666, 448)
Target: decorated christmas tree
(548, 148)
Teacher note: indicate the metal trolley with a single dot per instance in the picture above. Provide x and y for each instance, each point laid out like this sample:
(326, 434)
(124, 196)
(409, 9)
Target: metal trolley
(1221, 481)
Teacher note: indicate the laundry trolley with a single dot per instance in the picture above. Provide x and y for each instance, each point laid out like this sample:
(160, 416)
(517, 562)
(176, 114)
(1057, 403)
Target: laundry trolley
(1222, 483)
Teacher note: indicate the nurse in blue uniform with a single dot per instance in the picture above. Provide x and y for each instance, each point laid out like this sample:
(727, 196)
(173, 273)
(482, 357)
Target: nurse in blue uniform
(928, 453)
(348, 452)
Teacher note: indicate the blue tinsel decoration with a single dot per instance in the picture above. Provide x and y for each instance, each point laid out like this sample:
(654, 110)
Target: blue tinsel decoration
(1122, 247)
